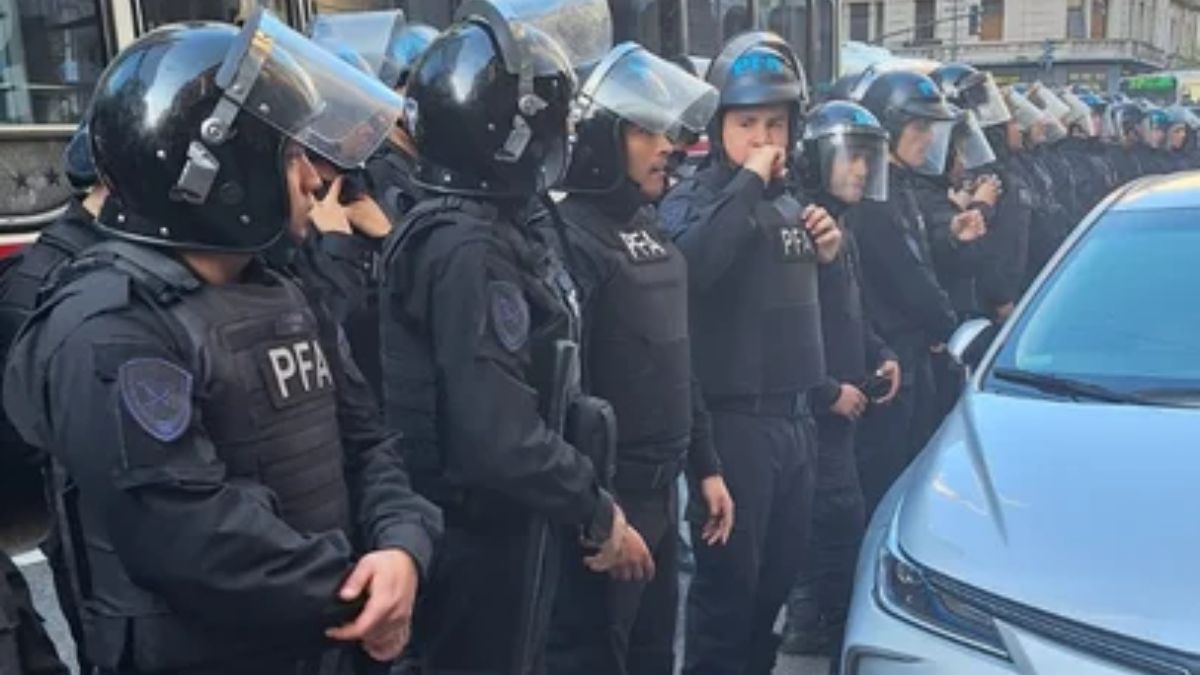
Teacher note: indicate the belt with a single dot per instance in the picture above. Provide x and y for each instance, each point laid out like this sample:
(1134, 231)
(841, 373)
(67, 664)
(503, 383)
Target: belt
(767, 405)
(647, 476)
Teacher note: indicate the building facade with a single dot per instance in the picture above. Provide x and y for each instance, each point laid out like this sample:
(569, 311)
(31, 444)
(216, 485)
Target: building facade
(1091, 42)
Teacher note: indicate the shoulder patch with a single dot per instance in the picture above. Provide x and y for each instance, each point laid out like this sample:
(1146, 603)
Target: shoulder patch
(510, 314)
(158, 395)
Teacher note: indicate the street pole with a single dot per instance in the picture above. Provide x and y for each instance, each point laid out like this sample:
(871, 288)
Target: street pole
(954, 35)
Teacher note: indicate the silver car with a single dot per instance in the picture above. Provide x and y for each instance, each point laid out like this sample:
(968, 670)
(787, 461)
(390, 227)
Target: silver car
(1053, 523)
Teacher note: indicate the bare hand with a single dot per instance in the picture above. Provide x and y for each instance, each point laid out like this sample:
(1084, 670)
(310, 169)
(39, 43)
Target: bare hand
(939, 348)
(609, 555)
(390, 579)
(825, 233)
(720, 511)
(890, 370)
(636, 562)
(768, 162)
(328, 215)
(368, 218)
(961, 198)
(851, 403)
(968, 226)
(987, 191)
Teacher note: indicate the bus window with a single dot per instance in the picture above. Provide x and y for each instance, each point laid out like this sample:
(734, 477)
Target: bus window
(437, 13)
(330, 6)
(788, 18)
(51, 54)
(157, 13)
(712, 22)
(638, 20)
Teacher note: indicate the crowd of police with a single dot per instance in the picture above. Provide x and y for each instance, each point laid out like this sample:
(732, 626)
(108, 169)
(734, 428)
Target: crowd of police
(385, 350)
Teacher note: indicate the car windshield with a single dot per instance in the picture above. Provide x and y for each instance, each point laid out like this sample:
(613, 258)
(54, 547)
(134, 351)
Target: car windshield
(1119, 315)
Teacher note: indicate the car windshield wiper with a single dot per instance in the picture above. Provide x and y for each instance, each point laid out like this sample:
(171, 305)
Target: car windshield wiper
(1065, 386)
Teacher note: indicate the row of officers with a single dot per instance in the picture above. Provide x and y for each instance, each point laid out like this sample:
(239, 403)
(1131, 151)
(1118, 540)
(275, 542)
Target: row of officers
(322, 379)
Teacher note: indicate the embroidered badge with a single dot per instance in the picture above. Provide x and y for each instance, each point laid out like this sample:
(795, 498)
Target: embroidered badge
(510, 314)
(158, 395)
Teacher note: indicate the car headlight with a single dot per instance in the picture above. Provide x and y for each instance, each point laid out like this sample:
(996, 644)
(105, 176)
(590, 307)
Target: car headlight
(911, 594)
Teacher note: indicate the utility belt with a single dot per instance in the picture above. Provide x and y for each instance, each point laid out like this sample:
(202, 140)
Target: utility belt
(634, 476)
(764, 405)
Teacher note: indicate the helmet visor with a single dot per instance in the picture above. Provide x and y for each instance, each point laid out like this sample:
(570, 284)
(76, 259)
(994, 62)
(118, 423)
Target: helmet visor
(307, 93)
(368, 33)
(971, 145)
(1048, 101)
(1081, 113)
(982, 96)
(854, 165)
(581, 29)
(1026, 114)
(924, 145)
(655, 94)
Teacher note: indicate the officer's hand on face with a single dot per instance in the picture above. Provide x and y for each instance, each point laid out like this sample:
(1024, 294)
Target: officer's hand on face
(368, 218)
(851, 403)
(824, 231)
(328, 214)
(389, 578)
(968, 226)
(719, 525)
(890, 370)
(768, 162)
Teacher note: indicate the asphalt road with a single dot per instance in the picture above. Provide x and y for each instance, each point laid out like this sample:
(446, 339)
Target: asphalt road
(38, 573)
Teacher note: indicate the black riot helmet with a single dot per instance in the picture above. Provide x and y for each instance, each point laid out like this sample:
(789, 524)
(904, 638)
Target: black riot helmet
(632, 86)
(974, 91)
(489, 102)
(845, 151)
(190, 124)
(758, 68)
(900, 98)
(77, 159)
(843, 88)
(408, 46)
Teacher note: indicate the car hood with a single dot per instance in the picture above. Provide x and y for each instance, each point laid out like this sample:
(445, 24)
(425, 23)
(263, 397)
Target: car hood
(1087, 511)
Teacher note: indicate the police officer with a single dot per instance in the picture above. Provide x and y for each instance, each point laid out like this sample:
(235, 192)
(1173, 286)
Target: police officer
(230, 509)
(633, 110)
(479, 325)
(845, 155)
(910, 309)
(752, 253)
(1181, 137)
(387, 47)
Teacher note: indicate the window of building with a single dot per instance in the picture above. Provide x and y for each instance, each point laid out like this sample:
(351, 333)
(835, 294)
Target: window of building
(51, 54)
(924, 15)
(860, 21)
(1099, 19)
(157, 13)
(991, 21)
(878, 19)
(1076, 20)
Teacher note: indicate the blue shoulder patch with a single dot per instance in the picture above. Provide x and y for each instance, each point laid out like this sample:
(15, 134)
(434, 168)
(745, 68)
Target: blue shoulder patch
(510, 314)
(158, 395)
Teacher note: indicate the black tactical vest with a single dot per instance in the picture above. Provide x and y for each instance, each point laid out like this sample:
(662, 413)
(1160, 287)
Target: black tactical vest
(842, 318)
(409, 373)
(636, 350)
(265, 386)
(758, 330)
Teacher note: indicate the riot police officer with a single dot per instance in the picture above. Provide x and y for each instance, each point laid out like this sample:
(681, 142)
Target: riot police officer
(633, 110)
(845, 161)
(227, 507)
(1181, 137)
(910, 309)
(752, 251)
(479, 333)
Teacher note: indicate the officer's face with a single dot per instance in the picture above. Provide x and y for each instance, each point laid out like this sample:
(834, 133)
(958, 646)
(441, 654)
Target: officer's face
(303, 182)
(1157, 136)
(914, 142)
(848, 176)
(1178, 137)
(1013, 136)
(744, 130)
(646, 156)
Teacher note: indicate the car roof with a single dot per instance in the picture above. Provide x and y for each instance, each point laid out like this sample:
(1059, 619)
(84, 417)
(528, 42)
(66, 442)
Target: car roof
(1172, 191)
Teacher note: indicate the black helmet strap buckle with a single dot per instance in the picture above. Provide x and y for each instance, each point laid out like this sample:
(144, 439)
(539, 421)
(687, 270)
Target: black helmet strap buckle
(202, 166)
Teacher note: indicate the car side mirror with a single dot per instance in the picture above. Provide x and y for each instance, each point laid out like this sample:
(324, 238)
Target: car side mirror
(969, 342)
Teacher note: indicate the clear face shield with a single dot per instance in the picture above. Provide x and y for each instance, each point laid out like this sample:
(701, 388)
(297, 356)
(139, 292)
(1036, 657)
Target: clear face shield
(982, 97)
(971, 147)
(368, 33)
(1047, 100)
(924, 145)
(1035, 123)
(1153, 129)
(303, 91)
(1080, 115)
(655, 94)
(854, 165)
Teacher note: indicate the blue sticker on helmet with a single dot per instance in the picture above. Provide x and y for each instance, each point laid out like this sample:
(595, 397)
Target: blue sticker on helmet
(758, 63)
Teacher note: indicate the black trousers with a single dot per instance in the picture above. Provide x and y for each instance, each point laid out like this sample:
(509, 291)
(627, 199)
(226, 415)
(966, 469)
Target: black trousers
(24, 645)
(890, 436)
(822, 593)
(739, 588)
(468, 622)
(605, 626)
